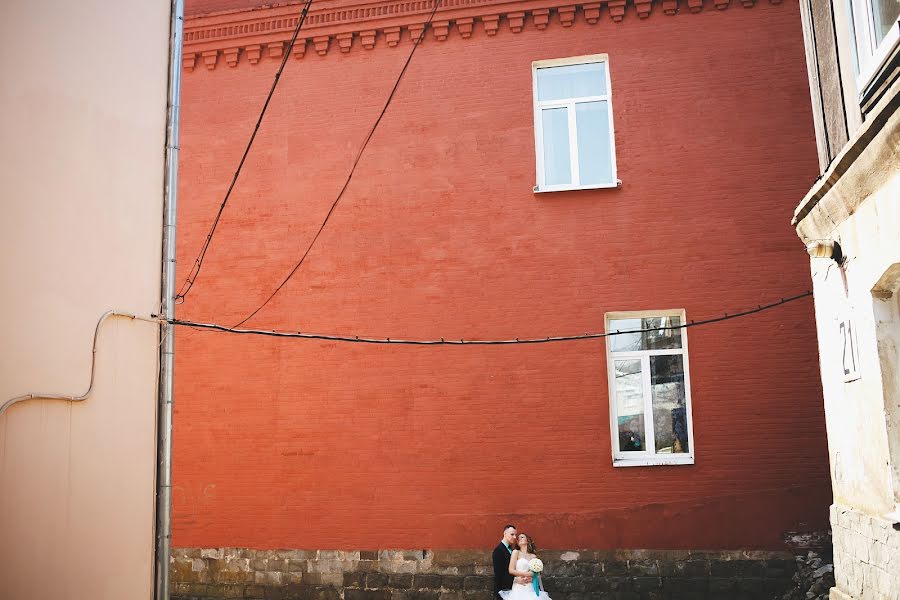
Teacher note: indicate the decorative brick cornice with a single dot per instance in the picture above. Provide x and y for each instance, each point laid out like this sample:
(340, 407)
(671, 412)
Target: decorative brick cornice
(248, 36)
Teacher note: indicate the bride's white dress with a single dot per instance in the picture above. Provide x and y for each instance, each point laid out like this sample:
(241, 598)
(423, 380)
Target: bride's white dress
(522, 592)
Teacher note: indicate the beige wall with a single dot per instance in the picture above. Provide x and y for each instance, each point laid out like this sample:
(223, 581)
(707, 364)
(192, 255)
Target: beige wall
(860, 209)
(82, 115)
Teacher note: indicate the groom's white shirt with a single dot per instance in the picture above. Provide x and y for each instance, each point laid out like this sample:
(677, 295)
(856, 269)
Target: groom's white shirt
(508, 549)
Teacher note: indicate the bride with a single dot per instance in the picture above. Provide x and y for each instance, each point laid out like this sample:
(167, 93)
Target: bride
(518, 566)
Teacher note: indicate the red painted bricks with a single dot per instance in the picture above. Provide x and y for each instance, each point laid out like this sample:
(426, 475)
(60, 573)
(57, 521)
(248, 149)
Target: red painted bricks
(310, 444)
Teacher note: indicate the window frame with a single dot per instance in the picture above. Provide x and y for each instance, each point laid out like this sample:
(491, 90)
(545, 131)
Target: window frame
(870, 65)
(569, 104)
(647, 458)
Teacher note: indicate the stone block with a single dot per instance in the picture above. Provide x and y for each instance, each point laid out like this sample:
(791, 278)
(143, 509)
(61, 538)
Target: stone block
(615, 568)
(354, 580)
(427, 582)
(276, 564)
(645, 584)
(752, 585)
(296, 565)
(643, 568)
(619, 584)
(235, 577)
(376, 581)
(686, 587)
(595, 583)
(400, 581)
(366, 566)
(452, 582)
(258, 564)
(476, 583)
(324, 579)
(721, 585)
(588, 569)
(367, 595)
(414, 595)
(267, 577)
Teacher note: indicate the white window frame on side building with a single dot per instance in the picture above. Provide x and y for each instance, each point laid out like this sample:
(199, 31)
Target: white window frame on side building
(646, 457)
(869, 52)
(569, 104)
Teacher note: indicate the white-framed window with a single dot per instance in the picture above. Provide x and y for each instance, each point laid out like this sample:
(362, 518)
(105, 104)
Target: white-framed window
(573, 124)
(649, 388)
(876, 33)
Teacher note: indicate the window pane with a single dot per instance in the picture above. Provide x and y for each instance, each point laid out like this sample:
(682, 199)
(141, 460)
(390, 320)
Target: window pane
(555, 132)
(571, 81)
(594, 160)
(669, 408)
(662, 339)
(886, 13)
(629, 405)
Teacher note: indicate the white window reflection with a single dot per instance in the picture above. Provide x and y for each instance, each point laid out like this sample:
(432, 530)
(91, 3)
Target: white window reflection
(573, 124)
(650, 398)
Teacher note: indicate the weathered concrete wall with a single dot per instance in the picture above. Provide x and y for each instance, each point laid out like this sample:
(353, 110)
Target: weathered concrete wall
(860, 209)
(83, 116)
(467, 575)
(866, 555)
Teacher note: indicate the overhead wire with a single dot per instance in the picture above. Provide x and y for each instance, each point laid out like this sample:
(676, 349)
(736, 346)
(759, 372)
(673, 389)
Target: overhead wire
(156, 319)
(416, 43)
(478, 342)
(198, 262)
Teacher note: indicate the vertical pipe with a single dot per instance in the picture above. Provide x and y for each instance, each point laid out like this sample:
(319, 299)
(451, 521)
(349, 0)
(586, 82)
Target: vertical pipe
(167, 347)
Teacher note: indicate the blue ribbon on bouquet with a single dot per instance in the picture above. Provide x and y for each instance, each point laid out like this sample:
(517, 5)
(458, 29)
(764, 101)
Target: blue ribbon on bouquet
(534, 582)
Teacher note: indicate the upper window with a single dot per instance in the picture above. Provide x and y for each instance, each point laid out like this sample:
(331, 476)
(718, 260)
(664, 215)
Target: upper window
(876, 29)
(573, 124)
(649, 389)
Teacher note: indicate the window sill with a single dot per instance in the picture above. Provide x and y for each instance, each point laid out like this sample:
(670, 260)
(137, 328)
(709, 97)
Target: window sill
(572, 188)
(653, 462)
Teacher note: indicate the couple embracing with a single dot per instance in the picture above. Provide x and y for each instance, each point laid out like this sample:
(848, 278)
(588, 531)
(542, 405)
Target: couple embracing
(517, 568)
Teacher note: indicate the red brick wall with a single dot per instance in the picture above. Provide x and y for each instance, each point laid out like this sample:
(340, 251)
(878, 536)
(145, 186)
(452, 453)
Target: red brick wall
(307, 444)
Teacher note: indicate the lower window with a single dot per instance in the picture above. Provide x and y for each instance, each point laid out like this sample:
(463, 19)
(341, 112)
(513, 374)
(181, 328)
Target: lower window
(649, 389)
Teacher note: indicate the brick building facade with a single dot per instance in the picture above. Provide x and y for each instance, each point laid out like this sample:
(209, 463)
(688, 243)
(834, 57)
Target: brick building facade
(447, 230)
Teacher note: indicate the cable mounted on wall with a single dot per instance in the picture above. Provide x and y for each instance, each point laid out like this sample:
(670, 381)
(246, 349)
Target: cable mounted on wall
(198, 262)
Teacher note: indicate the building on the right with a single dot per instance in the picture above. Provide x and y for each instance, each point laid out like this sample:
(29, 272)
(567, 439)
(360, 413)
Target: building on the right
(850, 222)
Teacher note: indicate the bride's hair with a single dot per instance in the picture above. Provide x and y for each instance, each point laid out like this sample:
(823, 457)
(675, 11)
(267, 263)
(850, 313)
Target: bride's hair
(530, 547)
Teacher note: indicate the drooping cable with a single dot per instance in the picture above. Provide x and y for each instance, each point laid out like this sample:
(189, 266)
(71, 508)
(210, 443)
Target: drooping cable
(479, 342)
(359, 154)
(198, 262)
(368, 340)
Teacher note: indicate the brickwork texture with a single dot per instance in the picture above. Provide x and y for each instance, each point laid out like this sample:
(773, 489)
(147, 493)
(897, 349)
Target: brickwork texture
(315, 444)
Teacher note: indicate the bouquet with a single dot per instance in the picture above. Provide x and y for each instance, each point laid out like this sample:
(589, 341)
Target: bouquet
(536, 566)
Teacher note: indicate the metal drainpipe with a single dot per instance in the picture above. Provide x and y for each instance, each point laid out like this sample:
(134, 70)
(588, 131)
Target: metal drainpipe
(167, 347)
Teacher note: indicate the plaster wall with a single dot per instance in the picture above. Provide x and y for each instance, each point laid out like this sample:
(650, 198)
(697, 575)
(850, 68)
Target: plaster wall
(83, 113)
(862, 213)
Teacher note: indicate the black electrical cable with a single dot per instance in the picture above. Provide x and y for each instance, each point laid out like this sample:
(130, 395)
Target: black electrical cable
(359, 154)
(461, 342)
(198, 262)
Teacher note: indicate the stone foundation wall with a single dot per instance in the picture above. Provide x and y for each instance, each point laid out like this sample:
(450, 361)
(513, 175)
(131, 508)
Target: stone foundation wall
(866, 556)
(203, 573)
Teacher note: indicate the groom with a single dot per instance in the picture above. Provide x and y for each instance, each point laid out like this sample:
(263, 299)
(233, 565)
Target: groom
(502, 579)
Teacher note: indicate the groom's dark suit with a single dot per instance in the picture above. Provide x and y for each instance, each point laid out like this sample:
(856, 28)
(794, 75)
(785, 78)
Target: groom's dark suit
(502, 579)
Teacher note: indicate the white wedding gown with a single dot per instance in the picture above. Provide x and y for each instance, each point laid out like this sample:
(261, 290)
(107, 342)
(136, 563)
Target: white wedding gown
(522, 592)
